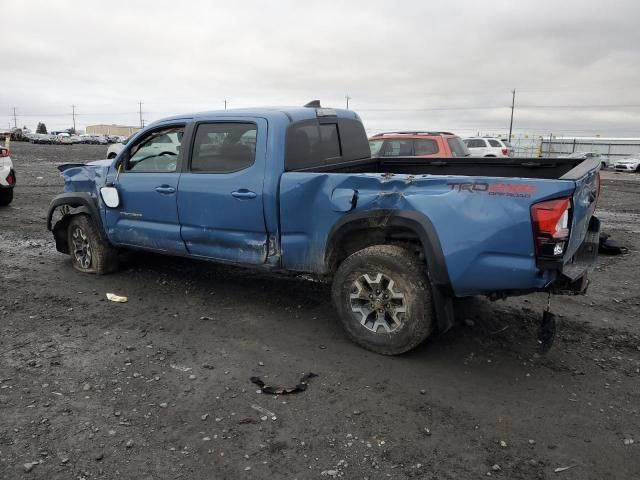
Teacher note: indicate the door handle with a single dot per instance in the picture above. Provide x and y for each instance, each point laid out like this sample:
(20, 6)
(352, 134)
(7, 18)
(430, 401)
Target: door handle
(165, 189)
(244, 194)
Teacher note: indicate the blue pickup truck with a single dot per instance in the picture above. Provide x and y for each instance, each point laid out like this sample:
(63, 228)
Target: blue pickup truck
(296, 189)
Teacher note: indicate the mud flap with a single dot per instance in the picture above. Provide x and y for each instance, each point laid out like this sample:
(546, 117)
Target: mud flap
(546, 332)
(547, 329)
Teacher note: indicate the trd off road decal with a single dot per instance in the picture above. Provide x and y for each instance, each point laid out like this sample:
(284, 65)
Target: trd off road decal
(500, 189)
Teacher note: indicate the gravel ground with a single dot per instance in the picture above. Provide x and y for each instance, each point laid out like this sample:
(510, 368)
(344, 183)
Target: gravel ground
(159, 387)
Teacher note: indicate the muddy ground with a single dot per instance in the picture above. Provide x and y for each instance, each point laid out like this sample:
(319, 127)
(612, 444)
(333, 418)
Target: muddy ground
(159, 387)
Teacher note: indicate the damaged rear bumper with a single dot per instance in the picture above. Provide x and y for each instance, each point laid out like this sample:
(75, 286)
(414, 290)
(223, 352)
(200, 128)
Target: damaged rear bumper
(573, 276)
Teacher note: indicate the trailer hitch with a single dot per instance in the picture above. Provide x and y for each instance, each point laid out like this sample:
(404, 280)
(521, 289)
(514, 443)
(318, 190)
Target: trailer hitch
(547, 329)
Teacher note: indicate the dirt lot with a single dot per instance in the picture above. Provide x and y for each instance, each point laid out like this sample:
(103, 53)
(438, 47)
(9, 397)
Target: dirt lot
(159, 387)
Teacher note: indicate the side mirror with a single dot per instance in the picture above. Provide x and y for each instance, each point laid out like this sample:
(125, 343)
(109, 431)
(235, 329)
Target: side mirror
(110, 196)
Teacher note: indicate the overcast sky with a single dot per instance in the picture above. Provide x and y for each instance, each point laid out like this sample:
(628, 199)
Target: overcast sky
(449, 65)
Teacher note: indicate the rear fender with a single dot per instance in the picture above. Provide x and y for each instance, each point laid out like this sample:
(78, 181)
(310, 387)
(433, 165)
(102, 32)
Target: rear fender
(438, 274)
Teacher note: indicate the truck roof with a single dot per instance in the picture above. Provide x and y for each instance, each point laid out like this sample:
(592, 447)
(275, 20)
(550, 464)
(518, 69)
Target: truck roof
(294, 114)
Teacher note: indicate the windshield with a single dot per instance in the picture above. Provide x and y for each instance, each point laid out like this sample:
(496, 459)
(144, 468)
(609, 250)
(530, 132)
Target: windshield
(458, 148)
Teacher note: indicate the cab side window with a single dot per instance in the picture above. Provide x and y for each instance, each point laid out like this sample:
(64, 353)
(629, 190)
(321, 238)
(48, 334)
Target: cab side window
(157, 152)
(425, 147)
(224, 147)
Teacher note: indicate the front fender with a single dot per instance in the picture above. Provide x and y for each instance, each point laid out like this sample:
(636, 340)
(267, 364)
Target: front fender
(73, 203)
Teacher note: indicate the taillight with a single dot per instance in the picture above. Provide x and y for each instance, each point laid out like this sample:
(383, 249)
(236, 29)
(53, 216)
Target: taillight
(4, 152)
(551, 226)
(505, 152)
(11, 179)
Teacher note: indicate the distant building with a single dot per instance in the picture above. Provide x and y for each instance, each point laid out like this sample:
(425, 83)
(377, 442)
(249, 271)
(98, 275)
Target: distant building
(120, 130)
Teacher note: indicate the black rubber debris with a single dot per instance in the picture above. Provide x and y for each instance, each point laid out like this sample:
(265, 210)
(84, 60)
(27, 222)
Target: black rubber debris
(300, 387)
(607, 246)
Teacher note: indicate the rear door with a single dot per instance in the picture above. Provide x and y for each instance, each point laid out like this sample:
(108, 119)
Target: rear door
(220, 200)
(476, 146)
(147, 184)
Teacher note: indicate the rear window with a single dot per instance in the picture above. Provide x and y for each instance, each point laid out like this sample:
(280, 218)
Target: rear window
(495, 143)
(312, 144)
(457, 146)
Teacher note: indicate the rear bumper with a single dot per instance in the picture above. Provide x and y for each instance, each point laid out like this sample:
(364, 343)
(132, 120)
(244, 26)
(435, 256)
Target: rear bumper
(573, 276)
(7, 178)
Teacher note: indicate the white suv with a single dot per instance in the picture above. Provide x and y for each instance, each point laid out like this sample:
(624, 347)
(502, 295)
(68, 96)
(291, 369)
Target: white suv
(488, 147)
(7, 177)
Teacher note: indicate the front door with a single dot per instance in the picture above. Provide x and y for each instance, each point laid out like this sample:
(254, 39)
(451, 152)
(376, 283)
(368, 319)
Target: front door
(148, 183)
(220, 202)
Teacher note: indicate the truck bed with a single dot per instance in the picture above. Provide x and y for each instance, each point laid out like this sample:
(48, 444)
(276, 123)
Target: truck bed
(541, 168)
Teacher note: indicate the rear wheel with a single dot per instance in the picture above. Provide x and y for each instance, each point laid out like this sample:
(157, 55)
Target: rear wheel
(6, 196)
(89, 252)
(383, 297)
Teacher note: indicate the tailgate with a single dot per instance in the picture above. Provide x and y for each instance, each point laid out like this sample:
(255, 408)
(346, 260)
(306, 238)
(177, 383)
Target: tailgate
(587, 179)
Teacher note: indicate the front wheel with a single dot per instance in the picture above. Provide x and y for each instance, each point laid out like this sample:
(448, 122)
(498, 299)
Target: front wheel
(383, 297)
(89, 252)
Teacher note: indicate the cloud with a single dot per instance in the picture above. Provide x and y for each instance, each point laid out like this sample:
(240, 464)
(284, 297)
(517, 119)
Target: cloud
(405, 64)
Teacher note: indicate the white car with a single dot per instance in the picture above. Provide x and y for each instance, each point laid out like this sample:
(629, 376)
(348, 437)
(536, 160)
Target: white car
(628, 164)
(487, 147)
(168, 142)
(115, 148)
(7, 177)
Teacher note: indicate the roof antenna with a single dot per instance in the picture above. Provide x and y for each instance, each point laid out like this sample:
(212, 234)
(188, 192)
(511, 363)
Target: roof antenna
(313, 104)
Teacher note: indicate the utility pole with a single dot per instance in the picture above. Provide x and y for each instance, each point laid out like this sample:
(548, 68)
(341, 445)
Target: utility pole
(73, 113)
(348, 98)
(513, 104)
(225, 103)
(140, 110)
(15, 120)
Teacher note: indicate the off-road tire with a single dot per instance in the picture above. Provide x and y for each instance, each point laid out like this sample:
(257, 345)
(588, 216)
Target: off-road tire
(6, 196)
(410, 278)
(103, 257)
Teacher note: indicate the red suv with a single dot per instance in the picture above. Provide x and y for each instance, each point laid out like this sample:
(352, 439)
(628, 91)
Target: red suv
(417, 144)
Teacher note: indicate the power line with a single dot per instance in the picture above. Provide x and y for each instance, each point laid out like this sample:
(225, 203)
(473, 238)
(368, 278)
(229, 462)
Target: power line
(513, 104)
